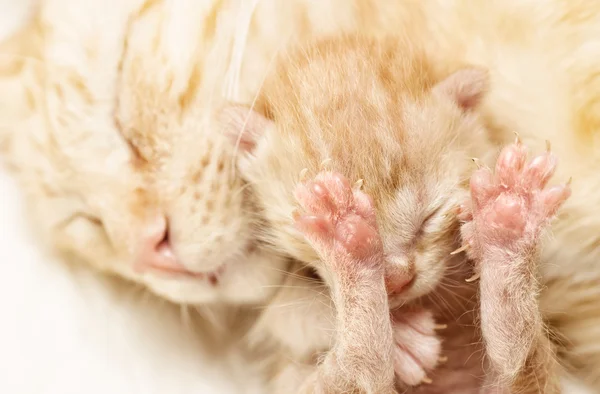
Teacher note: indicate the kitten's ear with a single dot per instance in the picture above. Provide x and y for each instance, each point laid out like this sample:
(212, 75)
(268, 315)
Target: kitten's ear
(242, 125)
(466, 87)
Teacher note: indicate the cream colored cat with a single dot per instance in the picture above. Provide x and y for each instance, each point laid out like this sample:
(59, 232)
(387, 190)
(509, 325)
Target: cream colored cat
(92, 126)
(117, 158)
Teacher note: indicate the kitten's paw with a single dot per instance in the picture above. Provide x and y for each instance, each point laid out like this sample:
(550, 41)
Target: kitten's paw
(338, 220)
(510, 207)
(418, 347)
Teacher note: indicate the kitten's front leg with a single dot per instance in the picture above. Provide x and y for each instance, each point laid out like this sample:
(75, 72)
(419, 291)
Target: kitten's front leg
(340, 224)
(508, 212)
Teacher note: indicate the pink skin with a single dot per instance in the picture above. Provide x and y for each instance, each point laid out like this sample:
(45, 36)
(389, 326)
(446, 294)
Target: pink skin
(340, 223)
(155, 254)
(508, 211)
(510, 208)
(417, 348)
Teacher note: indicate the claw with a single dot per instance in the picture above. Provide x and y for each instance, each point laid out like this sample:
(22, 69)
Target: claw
(517, 138)
(548, 146)
(325, 164)
(569, 181)
(440, 326)
(358, 184)
(473, 278)
(442, 359)
(476, 161)
(460, 250)
(426, 380)
(303, 174)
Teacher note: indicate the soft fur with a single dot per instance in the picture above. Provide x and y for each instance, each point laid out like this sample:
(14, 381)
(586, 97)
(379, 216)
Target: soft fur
(103, 103)
(337, 101)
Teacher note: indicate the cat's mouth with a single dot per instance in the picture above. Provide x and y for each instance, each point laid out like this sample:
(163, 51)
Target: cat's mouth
(181, 272)
(164, 261)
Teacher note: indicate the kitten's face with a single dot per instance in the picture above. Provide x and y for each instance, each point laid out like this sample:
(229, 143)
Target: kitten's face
(415, 165)
(418, 225)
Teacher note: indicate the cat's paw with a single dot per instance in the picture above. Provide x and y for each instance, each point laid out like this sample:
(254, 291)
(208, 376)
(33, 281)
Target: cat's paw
(509, 208)
(338, 220)
(418, 347)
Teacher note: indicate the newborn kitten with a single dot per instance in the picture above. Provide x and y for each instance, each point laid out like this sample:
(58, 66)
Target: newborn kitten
(383, 112)
(556, 103)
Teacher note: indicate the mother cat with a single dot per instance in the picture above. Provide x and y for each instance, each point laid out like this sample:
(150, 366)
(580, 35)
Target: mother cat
(108, 147)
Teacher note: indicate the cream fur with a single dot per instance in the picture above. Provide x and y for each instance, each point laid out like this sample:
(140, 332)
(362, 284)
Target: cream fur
(532, 92)
(75, 164)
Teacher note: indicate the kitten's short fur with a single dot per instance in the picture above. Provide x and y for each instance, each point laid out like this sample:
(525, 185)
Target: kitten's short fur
(322, 101)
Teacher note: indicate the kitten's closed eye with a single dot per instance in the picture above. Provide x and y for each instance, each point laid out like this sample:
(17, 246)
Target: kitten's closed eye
(428, 220)
(431, 215)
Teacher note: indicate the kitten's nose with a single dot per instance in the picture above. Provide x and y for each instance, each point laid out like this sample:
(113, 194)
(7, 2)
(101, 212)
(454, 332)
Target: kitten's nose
(154, 250)
(395, 284)
(399, 273)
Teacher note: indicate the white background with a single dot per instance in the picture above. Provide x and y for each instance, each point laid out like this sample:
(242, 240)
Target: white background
(65, 331)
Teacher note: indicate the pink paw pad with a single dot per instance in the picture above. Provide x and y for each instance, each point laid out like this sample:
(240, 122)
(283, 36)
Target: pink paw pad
(418, 347)
(512, 204)
(337, 219)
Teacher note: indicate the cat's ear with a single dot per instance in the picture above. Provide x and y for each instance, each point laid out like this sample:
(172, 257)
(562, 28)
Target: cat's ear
(243, 125)
(466, 87)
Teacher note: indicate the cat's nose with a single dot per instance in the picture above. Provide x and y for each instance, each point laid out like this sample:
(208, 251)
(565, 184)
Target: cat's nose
(154, 250)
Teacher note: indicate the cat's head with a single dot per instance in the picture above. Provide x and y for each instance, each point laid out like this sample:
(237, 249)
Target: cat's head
(211, 225)
(182, 222)
(139, 186)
